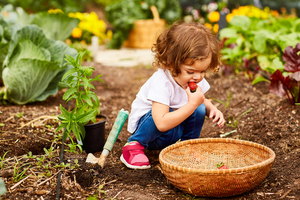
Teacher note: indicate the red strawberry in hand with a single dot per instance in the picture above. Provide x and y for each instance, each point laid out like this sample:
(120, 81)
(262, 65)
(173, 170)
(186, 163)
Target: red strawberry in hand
(222, 166)
(192, 86)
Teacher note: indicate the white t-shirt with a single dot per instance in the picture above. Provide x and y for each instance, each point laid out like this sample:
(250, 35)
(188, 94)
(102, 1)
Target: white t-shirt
(162, 88)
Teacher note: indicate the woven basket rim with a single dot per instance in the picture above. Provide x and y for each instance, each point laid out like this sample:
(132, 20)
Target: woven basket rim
(217, 171)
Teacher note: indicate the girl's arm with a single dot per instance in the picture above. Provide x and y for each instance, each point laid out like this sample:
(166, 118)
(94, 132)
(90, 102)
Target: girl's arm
(165, 120)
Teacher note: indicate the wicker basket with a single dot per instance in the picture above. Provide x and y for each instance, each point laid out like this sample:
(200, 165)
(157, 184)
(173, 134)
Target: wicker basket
(145, 32)
(191, 166)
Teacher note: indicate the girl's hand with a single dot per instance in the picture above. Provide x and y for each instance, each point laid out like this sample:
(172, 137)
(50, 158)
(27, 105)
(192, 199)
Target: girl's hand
(195, 98)
(217, 116)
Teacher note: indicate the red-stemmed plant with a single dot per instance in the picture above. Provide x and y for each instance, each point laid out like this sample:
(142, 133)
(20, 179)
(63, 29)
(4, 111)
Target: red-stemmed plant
(290, 84)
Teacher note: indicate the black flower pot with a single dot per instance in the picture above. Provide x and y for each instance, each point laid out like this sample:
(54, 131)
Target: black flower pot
(94, 136)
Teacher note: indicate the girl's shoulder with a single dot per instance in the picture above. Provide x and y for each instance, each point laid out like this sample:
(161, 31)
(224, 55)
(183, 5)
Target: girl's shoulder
(160, 74)
(160, 78)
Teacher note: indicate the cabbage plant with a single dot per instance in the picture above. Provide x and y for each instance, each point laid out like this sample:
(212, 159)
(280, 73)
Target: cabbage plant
(57, 26)
(33, 66)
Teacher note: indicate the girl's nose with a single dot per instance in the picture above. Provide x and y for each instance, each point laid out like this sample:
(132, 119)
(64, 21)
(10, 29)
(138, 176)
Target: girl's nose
(197, 76)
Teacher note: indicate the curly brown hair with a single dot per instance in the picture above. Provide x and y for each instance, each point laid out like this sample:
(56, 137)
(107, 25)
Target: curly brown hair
(181, 41)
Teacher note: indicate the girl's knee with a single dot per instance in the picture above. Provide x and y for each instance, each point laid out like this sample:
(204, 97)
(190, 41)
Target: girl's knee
(201, 110)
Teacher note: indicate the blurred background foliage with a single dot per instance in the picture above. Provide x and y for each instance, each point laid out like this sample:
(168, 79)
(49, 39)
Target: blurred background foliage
(33, 6)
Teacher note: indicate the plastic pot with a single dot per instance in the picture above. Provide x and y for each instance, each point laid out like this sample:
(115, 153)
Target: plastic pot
(94, 136)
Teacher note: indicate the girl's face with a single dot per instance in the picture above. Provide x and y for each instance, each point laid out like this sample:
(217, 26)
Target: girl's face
(192, 73)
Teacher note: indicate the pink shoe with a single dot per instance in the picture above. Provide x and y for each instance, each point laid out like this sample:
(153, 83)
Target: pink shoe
(133, 156)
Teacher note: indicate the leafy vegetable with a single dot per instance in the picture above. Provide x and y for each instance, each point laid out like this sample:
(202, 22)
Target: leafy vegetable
(57, 26)
(10, 21)
(33, 66)
(288, 85)
(259, 40)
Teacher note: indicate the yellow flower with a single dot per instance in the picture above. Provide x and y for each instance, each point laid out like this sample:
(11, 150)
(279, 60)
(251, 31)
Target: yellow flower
(229, 16)
(264, 15)
(208, 25)
(55, 11)
(267, 9)
(76, 33)
(243, 10)
(235, 12)
(214, 16)
(91, 23)
(109, 34)
(72, 15)
(215, 28)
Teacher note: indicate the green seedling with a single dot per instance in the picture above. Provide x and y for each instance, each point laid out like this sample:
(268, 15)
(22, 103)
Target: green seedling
(48, 174)
(49, 152)
(41, 160)
(49, 126)
(19, 115)
(62, 165)
(226, 104)
(72, 147)
(30, 156)
(57, 138)
(100, 189)
(76, 165)
(234, 122)
(46, 167)
(2, 165)
(19, 174)
(99, 192)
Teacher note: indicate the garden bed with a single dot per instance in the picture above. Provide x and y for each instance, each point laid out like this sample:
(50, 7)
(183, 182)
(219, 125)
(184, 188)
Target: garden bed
(255, 114)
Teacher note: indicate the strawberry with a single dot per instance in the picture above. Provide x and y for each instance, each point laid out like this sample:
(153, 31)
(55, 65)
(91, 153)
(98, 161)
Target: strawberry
(222, 166)
(192, 86)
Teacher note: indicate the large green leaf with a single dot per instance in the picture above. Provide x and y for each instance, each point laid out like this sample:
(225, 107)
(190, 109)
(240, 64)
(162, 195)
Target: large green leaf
(243, 22)
(260, 39)
(228, 33)
(27, 80)
(57, 49)
(288, 40)
(57, 26)
(30, 32)
(270, 64)
(296, 26)
(27, 49)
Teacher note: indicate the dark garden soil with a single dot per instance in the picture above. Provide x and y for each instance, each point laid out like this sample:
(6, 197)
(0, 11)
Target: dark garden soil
(272, 122)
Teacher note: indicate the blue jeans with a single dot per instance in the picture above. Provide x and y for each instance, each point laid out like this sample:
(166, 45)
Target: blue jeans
(152, 139)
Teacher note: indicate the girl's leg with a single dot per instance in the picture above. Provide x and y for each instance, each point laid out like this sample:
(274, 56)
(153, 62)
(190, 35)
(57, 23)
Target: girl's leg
(151, 138)
(194, 123)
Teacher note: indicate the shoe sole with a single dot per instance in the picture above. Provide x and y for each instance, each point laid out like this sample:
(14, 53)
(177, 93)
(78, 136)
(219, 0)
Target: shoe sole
(132, 166)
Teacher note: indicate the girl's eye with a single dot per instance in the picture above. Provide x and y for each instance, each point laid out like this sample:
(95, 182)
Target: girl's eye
(190, 72)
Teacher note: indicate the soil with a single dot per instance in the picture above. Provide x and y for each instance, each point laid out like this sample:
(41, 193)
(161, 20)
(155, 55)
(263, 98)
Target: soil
(272, 122)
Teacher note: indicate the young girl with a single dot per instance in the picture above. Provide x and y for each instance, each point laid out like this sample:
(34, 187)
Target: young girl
(165, 110)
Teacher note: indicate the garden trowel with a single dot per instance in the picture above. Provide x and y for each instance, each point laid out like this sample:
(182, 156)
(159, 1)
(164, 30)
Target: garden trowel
(111, 139)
